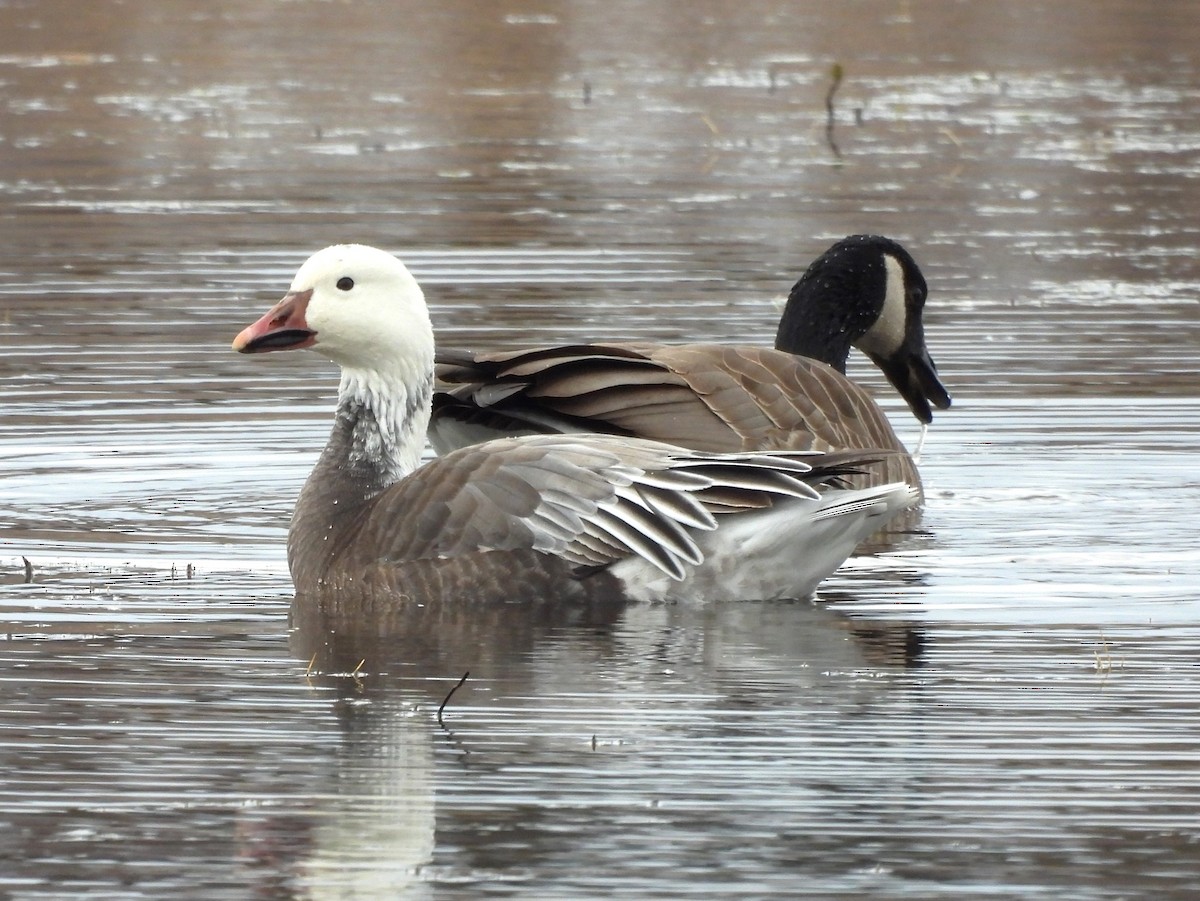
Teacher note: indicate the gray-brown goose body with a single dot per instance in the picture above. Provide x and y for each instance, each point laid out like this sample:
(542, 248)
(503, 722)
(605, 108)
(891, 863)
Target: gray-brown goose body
(866, 291)
(570, 516)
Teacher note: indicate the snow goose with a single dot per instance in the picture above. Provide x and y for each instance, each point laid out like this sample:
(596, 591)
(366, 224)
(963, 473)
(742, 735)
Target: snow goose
(572, 516)
(866, 291)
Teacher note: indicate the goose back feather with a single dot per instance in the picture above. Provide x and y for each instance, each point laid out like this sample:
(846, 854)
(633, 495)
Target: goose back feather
(719, 398)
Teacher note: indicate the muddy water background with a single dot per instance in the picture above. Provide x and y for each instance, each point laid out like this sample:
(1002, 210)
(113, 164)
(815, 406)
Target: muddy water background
(1006, 705)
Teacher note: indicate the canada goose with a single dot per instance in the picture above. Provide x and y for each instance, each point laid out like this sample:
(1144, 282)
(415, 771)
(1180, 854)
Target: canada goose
(571, 515)
(866, 291)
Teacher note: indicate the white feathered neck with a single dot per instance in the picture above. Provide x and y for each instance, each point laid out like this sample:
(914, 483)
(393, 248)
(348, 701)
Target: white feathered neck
(387, 417)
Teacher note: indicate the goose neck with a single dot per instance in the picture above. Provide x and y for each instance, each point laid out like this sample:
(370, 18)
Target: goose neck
(382, 421)
(811, 333)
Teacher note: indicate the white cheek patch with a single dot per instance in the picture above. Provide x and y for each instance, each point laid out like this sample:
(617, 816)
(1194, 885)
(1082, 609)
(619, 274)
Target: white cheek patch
(886, 336)
(366, 332)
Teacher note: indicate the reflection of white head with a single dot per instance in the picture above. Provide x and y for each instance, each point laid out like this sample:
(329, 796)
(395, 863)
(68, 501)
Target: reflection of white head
(375, 830)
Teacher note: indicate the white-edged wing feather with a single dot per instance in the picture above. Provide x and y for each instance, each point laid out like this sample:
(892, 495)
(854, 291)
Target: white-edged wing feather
(590, 499)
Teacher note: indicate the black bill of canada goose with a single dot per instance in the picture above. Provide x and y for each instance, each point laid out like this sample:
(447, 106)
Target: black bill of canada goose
(866, 291)
(573, 516)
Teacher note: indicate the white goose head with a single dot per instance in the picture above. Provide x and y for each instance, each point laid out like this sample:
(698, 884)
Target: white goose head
(361, 308)
(356, 305)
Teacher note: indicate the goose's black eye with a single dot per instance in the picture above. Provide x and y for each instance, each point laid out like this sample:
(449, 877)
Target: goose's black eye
(345, 283)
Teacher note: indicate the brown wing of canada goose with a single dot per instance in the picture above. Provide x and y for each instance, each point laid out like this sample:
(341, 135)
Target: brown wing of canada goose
(707, 397)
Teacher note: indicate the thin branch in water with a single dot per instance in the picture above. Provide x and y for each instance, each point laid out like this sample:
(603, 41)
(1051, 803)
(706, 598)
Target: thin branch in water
(28, 570)
(449, 695)
(835, 73)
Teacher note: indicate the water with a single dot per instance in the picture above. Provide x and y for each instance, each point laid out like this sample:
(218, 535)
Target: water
(1003, 706)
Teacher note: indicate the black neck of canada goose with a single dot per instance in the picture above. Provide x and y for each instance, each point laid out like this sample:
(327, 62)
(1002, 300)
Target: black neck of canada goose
(866, 291)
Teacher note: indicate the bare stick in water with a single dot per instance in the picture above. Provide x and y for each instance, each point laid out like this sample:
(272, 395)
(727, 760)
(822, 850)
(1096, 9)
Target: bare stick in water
(449, 695)
(835, 74)
(28, 570)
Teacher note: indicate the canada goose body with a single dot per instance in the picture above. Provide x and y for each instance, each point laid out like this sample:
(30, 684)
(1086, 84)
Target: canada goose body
(865, 291)
(574, 515)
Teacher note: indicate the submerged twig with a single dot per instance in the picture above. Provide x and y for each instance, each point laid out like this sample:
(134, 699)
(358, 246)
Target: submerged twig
(355, 674)
(449, 695)
(836, 73)
(1104, 657)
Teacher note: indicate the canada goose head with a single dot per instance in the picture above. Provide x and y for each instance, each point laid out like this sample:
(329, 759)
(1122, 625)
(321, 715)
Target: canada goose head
(356, 305)
(866, 291)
